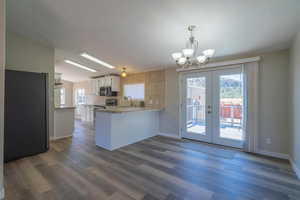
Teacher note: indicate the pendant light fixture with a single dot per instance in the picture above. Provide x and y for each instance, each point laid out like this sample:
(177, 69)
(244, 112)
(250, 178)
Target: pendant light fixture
(123, 73)
(188, 56)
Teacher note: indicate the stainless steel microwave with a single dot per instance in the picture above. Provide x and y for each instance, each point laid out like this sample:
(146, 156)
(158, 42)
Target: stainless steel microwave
(107, 92)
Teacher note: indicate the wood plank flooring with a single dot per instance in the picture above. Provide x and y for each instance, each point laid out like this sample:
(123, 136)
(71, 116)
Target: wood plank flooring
(159, 168)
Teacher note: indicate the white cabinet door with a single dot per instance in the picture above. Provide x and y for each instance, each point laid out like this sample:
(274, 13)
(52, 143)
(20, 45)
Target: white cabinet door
(115, 83)
(102, 82)
(99, 84)
(94, 87)
(106, 81)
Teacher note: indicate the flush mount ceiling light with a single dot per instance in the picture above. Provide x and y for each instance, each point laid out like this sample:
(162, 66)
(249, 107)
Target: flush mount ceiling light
(96, 60)
(123, 73)
(80, 66)
(189, 56)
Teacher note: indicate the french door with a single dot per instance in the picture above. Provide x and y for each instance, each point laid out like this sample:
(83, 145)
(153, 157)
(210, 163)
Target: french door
(213, 107)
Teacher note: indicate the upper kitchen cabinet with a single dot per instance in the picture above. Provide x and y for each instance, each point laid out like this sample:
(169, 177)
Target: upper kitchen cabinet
(111, 81)
(115, 83)
(94, 86)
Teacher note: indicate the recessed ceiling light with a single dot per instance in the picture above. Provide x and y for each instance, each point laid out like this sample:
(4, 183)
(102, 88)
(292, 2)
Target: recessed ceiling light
(96, 60)
(80, 66)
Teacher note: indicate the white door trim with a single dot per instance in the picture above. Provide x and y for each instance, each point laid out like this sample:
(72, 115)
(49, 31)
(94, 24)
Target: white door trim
(182, 91)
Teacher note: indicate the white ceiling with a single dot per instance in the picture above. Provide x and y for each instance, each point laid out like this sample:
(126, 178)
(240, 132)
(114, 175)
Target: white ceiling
(141, 34)
(74, 74)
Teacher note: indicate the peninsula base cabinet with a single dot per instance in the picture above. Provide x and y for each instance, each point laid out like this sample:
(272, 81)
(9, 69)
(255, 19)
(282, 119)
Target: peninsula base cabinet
(115, 130)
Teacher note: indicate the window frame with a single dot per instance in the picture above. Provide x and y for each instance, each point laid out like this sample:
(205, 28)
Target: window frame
(134, 97)
(62, 96)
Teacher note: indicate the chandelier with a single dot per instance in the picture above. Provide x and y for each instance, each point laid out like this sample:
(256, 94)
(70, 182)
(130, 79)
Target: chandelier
(188, 56)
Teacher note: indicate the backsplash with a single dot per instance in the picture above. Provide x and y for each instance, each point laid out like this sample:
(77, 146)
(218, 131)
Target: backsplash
(154, 86)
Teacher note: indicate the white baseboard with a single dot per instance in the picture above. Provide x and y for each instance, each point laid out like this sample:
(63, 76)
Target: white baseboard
(273, 154)
(169, 135)
(294, 166)
(2, 193)
(62, 137)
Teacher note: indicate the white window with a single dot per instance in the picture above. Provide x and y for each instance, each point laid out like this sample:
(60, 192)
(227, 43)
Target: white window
(62, 96)
(79, 96)
(135, 91)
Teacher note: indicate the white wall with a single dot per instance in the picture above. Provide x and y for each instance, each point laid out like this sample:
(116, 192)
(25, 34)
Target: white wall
(295, 101)
(2, 66)
(23, 54)
(273, 102)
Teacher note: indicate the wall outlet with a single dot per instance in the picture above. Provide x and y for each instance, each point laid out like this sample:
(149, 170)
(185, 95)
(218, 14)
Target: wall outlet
(268, 141)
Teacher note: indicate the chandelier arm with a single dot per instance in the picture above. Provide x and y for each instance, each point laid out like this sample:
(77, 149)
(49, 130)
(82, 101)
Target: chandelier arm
(196, 48)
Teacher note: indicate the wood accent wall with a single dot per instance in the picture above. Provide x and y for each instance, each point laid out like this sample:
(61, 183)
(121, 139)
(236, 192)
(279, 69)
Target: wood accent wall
(154, 86)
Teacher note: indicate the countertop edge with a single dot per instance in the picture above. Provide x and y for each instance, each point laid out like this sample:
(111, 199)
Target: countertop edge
(67, 107)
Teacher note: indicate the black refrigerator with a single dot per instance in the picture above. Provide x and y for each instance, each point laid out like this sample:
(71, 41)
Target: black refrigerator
(25, 127)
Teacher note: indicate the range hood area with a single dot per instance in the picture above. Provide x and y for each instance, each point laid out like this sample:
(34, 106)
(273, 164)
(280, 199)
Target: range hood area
(108, 86)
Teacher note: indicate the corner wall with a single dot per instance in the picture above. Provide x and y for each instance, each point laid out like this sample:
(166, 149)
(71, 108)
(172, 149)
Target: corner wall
(2, 66)
(23, 54)
(294, 104)
(169, 117)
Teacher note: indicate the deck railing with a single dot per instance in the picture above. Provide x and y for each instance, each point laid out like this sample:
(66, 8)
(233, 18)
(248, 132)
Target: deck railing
(230, 114)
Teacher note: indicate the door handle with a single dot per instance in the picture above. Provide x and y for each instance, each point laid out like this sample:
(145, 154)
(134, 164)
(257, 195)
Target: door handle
(209, 109)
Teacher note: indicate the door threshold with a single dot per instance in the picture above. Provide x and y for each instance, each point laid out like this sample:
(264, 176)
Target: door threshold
(218, 145)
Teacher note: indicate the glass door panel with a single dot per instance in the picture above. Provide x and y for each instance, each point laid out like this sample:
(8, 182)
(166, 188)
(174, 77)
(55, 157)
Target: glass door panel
(196, 106)
(228, 104)
(231, 106)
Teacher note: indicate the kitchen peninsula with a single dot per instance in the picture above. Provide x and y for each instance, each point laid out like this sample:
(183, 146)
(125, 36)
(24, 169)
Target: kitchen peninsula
(118, 127)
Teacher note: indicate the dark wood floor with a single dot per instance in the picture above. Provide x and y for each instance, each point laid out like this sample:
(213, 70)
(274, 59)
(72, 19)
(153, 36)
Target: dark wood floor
(157, 168)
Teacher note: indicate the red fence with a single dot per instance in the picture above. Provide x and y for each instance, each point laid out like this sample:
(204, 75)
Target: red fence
(231, 111)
